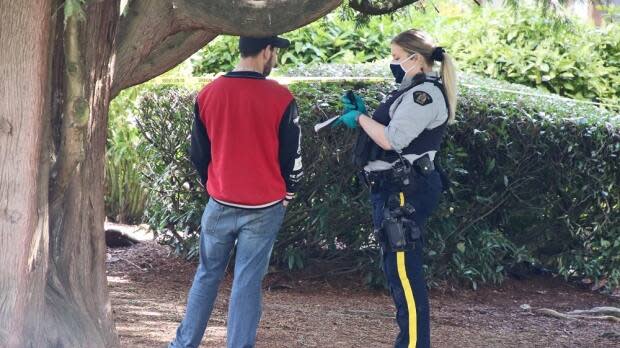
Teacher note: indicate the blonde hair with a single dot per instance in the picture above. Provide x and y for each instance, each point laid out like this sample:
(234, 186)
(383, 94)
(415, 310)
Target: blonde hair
(416, 41)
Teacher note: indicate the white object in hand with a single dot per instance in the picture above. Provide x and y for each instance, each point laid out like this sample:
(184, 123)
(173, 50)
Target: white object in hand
(319, 126)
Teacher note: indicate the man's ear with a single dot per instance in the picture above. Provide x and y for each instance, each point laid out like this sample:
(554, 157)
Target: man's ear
(266, 51)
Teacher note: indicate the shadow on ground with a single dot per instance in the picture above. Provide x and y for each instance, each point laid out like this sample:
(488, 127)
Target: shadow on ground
(149, 288)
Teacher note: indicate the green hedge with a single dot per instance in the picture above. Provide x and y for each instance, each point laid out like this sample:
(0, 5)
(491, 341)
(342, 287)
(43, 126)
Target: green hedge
(535, 179)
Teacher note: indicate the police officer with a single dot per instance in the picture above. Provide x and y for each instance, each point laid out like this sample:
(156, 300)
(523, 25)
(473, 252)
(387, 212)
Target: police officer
(397, 146)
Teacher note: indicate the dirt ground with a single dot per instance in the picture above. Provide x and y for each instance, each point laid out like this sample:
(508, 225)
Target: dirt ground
(149, 288)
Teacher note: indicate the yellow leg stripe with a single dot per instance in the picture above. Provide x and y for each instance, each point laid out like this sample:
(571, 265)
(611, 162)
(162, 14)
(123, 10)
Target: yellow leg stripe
(402, 199)
(413, 320)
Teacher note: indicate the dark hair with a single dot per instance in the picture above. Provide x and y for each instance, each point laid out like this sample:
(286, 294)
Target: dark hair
(252, 51)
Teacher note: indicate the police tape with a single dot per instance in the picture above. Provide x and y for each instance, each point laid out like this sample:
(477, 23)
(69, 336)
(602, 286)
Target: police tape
(286, 80)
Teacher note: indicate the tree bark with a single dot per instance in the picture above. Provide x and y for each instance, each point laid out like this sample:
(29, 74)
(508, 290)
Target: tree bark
(24, 30)
(58, 77)
(381, 8)
(53, 112)
(78, 311)
(153, 37)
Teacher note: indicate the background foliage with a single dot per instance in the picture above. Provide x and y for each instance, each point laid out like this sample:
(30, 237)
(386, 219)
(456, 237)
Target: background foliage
(557, 53)
(126, 193)
(562, 56)
(330, 40)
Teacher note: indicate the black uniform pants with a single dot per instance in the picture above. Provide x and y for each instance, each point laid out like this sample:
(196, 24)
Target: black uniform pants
(403, 269)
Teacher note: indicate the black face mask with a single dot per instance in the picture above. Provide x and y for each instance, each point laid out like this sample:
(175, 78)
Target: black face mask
(398, 71)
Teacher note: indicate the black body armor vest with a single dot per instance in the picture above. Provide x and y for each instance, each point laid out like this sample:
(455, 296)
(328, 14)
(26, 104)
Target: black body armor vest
(366, 149)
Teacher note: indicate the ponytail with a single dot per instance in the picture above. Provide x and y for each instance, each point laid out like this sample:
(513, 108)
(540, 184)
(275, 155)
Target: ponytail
(448, 76)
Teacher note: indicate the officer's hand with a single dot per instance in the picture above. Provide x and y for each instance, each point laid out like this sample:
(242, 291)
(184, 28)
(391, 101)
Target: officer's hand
(358, 103)
(347, 104)
(349, 119)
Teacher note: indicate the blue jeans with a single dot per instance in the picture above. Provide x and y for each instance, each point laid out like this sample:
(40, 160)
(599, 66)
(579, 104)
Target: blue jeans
(255, 232)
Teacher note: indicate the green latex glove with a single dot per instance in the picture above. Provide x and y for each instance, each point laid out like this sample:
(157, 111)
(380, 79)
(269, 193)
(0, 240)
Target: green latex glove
(359, 104)
(349, 119)
(346, 103)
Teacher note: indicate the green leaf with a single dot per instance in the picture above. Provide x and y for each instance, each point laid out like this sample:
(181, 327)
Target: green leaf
(490, 166)
(74, 8)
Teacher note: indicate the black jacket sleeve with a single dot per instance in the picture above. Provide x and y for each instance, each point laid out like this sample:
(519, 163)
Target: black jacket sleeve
(290, 149)
(200, 149)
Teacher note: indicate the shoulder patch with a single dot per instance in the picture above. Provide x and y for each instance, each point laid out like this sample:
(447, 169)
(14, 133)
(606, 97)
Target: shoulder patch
(422, 98)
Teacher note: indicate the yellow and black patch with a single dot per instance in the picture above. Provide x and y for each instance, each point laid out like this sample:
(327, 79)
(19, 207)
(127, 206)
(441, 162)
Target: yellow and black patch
(422, 98)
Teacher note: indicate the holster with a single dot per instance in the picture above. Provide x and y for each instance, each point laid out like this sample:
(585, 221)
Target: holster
(395, 234)
(399, 233)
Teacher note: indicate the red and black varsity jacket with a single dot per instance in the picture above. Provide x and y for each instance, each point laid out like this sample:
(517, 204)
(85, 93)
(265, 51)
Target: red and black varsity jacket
(245, 141)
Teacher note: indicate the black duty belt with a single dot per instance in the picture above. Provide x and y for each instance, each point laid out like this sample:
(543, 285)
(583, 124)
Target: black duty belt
(423, 166)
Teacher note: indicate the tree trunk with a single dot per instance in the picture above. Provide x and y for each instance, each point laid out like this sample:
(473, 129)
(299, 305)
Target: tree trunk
(54, 108)
(24, 31)
(78, 311)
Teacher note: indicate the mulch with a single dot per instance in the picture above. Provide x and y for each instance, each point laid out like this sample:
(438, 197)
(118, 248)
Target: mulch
(148, 289)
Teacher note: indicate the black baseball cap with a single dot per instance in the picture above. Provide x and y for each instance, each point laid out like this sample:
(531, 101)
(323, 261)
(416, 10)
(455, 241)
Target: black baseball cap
(252, 45)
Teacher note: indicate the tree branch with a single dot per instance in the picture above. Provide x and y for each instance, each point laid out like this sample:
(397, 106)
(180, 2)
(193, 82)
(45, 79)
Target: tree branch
(144, 26)
(385, 7)
(154, 36)
(254, 17)
(172, 50)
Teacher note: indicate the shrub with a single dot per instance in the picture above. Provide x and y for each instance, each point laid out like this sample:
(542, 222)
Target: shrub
(543, 172)
(176, 200)
(565, 57)
(534, 179)
(125, 193)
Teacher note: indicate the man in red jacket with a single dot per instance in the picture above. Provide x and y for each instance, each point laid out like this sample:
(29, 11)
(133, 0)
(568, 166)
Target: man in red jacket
(246, 149)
